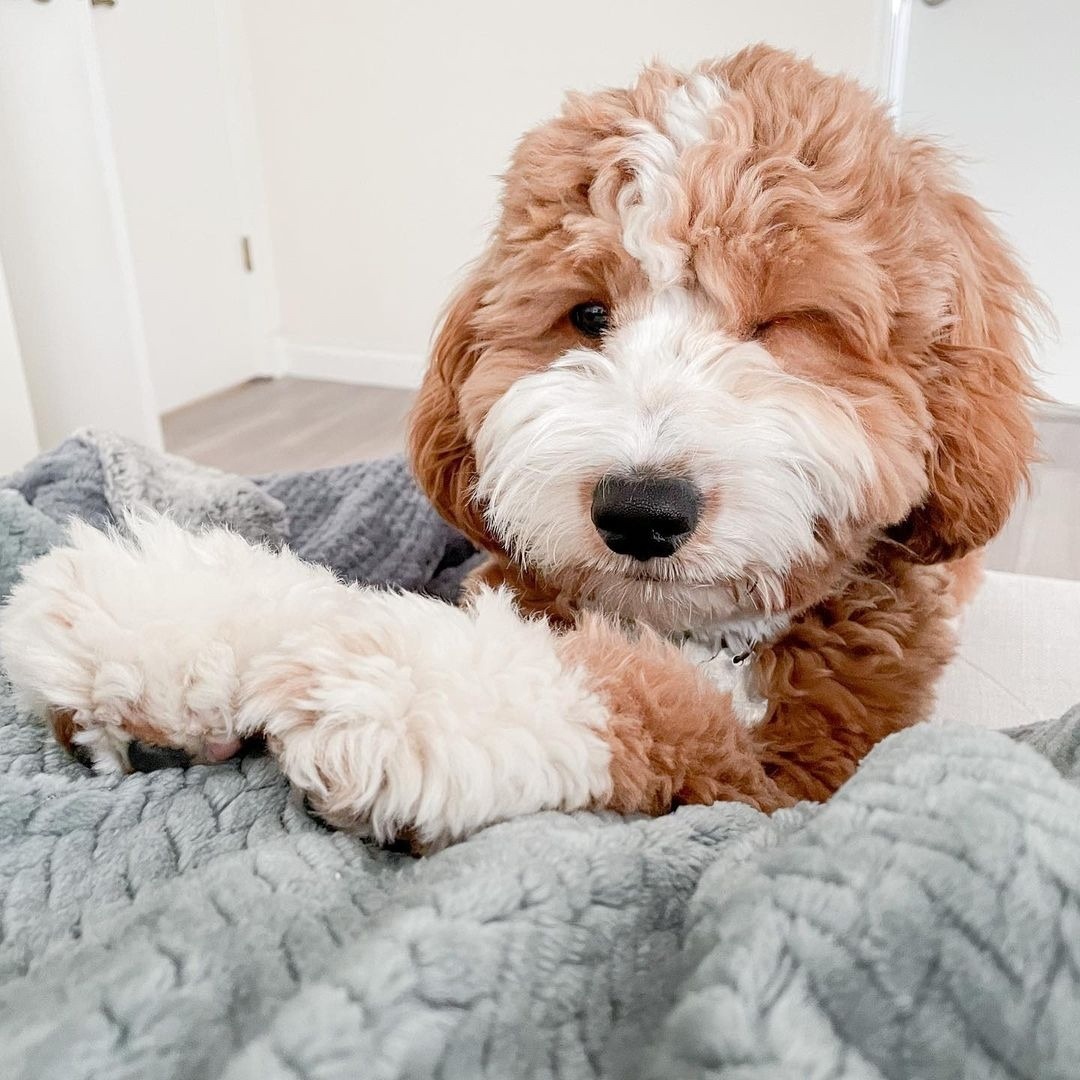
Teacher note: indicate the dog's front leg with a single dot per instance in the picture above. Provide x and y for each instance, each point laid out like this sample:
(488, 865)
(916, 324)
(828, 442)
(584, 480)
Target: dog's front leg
(393, 713)
(414, 717)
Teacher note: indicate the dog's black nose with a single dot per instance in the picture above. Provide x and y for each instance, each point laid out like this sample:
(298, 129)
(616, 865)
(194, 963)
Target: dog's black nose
(645, 517)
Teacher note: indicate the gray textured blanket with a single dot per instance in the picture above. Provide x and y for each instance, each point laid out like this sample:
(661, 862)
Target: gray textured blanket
(924, 923)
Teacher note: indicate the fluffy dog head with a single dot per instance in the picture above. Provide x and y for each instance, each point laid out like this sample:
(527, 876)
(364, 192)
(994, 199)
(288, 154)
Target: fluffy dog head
(732, 330)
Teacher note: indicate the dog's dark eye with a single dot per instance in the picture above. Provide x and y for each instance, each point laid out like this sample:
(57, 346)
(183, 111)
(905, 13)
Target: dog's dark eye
(590, 318)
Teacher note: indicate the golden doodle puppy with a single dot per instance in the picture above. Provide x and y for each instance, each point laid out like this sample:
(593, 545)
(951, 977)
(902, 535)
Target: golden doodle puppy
(732, 400)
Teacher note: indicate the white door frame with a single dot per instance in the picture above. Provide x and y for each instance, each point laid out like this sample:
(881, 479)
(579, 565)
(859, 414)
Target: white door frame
(18, 431)
(63, 236)
(897, 20)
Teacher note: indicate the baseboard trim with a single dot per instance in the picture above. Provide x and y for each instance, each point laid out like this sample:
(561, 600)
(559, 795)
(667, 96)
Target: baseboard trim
(399, 371)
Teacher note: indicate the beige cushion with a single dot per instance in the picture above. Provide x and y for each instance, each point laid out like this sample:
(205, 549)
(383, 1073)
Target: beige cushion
(1019, 656)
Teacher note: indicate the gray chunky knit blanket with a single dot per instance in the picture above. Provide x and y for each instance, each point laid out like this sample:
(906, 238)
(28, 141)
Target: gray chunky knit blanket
(923, 923)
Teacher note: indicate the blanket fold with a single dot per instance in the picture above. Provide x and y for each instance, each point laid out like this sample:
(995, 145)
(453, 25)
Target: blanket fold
(923, 923)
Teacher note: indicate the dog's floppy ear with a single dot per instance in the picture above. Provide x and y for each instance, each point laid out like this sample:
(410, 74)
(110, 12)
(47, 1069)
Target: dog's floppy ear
(442, 456)
(978, 393)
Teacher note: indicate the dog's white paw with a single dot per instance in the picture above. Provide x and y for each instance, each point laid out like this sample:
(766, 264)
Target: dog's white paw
(136, 647)
(408, 716)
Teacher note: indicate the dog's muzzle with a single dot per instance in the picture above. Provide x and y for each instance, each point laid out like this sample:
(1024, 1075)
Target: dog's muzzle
(645, 517)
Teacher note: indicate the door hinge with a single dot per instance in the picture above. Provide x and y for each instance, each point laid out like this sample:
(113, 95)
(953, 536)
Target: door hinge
(245, 253)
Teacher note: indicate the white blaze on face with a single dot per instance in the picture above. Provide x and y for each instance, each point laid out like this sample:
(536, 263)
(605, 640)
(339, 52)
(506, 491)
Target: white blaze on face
(772, 453)
(647, 204)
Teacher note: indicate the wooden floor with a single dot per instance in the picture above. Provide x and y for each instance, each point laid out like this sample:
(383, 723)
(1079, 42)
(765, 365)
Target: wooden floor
(268, 425)
(271, 424)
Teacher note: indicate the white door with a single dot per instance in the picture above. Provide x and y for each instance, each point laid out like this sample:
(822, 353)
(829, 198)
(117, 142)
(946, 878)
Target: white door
(169, 93)
(999, 81)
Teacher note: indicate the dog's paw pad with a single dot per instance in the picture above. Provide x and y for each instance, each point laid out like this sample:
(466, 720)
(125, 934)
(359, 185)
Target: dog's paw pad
(144, 758)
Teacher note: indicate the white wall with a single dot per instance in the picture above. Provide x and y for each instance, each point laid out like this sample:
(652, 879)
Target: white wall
(62, 236)
(18, 436)
(383, 127)
(1000, 83)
